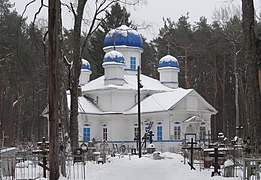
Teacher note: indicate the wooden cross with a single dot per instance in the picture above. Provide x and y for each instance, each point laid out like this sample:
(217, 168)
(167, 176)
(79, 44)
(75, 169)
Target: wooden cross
(192, 148)
(216, 165)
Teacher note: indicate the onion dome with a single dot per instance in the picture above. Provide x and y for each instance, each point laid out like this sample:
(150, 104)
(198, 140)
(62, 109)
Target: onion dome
(123, 36)
(168, 61)
(114, 56)
(85, 65)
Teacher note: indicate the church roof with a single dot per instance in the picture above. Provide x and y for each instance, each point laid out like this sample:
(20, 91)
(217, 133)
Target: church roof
(85, 105)
(85, 65)
(148, 84)
(123, 36)
(114, 56)
(168, 61)
(161, 101)
(165, 101)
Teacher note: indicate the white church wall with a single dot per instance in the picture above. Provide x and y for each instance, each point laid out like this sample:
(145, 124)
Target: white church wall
(114, 101)
(128, 52)
(169, 75)
(123, 100)
(121, 128)
(105, 101)
(192, 102)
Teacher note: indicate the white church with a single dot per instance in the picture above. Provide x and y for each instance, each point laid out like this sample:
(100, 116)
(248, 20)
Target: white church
(108, 107)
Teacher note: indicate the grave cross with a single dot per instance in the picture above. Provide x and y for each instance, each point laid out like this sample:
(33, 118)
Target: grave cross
(216, 165)
(44, 149)
(150, 136)
(191, 148)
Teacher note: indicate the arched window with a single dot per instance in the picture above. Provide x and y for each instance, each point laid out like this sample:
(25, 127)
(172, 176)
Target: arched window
(87, 132)
(159, 131)
(177, 130)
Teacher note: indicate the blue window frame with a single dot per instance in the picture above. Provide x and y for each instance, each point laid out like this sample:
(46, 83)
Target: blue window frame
(159, 131)
(87, 134)
(133, 63)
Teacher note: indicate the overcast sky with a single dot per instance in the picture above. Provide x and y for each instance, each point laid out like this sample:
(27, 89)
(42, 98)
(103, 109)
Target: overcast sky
(151, 12)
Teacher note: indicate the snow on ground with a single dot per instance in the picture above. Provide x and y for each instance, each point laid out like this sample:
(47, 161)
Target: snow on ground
(171, 167)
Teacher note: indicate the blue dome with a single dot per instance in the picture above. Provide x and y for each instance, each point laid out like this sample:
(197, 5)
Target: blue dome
(114, 56)
(85, 65)
(123, 36)
(168, 61)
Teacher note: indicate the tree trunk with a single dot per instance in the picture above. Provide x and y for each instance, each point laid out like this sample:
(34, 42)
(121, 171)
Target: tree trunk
(236, 90)
(252, 89)
(75, 73)
(52, 92)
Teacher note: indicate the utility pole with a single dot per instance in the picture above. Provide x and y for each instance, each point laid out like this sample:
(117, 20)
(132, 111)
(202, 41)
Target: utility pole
(139, 116)
(52, 93)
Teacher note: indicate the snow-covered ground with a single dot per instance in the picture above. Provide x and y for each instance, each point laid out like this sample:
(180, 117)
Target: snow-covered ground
(170, 167)
(134, 168)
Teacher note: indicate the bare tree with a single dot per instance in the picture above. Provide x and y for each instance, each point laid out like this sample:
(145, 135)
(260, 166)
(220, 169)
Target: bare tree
(78, 49)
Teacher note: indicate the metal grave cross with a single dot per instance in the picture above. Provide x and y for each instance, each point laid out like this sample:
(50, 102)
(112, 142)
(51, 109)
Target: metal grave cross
(216, 155)
(150, 136)
(192, 148)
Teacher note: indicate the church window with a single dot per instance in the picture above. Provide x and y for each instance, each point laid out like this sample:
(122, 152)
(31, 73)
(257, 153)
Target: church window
(202, 132)
(177, 132)
(133, 63)
(87, 134)
(105, 133)
(159, 131)
(136, 131)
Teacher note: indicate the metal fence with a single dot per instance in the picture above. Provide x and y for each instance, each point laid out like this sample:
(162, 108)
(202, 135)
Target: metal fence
(33, 166)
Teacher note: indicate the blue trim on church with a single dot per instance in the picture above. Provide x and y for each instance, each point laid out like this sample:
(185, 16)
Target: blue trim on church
(131, 39)
(117, 59)
(169, 64)
(86, 66)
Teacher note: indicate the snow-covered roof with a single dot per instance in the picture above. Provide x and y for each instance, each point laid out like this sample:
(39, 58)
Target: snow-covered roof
(228, 163)
(149, 84)
(194, 119)
(161, 101)
(85, 65)
(123, 36)
(168, 61)
(114, 56)
(85, 106)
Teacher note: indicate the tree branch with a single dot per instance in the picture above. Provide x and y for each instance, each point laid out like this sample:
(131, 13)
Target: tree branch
(73, 11)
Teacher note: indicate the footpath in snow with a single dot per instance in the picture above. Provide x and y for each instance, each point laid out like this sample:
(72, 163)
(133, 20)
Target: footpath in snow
(145, 168)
